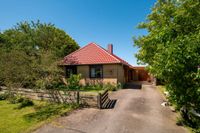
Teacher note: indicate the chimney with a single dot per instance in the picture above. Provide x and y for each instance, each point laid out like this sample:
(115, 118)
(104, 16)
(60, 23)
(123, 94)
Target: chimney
(110, 48)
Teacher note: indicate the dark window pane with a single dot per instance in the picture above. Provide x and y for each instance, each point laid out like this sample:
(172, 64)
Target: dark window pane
(70, 70)
(96, 71)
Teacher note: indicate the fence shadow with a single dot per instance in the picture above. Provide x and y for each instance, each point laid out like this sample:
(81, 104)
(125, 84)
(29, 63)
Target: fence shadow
(110, 104)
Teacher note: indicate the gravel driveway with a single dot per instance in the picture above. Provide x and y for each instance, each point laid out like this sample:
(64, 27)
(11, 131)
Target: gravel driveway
(136, 111)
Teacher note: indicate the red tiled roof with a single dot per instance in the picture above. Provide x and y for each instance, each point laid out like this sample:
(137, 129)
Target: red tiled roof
(92, 54)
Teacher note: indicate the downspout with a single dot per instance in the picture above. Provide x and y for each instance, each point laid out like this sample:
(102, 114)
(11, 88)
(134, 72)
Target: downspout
(117, 75)
(124, 79)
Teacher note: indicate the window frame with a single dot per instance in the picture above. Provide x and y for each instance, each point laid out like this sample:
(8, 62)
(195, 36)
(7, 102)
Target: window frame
(96, 66)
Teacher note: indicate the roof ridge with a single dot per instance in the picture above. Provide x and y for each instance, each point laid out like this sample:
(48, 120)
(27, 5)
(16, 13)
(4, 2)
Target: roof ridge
(113, 55)
(107, 52)
(78, 50)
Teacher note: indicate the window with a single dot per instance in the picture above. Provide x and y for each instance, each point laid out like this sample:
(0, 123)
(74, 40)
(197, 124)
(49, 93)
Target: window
(70, 70)
(96, 71)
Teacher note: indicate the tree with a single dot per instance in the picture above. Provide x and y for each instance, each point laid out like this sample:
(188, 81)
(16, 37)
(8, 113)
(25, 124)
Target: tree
(172, 48)
(29, 53)
(15, 69)
(36, 36)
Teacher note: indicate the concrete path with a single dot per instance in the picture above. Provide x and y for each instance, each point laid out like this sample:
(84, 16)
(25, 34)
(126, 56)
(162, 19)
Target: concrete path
(136, 111)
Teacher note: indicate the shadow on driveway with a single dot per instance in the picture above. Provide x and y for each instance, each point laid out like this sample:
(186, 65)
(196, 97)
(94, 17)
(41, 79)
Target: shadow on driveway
(111, 104)
(133, 86)
(136, 84)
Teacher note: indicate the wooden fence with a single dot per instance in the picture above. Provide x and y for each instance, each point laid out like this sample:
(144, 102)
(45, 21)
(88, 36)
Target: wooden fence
(56, 96)
(101, 101)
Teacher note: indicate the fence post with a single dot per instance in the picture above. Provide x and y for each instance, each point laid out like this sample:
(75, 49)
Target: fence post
(78, 97)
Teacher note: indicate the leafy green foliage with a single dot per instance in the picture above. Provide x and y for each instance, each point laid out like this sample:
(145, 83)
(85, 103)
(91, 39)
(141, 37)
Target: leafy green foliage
(35, 36)
(73, 82)
(18, 99)
(4, 96)
(15, 68)
(112, 87)
(25, 103)
(30, 53)
(172, 48)
(101, 86)
(13, 99)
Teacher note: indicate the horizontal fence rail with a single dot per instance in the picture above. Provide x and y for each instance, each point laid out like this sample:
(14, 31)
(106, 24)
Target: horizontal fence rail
(55, 95)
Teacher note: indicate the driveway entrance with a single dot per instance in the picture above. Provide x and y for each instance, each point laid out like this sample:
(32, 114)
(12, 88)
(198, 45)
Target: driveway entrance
(136, 111)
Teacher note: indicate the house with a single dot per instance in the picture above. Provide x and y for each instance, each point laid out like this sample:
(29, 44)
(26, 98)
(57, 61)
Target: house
(96, 64)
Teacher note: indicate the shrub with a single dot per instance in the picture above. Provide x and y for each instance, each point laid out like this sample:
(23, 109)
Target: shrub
(4, 96)
(195, 120)
(15, 98)
(12, 98)
(120, 86)
(20, 99)
(99, 86)
(110, 87)
(25, 103)
(73, 82)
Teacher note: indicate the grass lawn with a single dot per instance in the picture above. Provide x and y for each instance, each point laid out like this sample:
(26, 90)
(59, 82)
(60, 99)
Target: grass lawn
(14, 120)
(95, 90)
(91, 91)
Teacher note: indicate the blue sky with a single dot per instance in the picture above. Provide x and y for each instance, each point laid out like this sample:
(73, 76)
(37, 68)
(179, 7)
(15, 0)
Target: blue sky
(99, 21)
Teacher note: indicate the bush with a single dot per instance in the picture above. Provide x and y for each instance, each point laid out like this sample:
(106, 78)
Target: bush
(25, 103)
(99, 86)
(4, 96)
(73, 82)
(195, 120)
(110, 87)
(11, 97)
(15, 98)
(120, 86)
